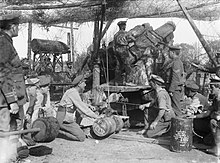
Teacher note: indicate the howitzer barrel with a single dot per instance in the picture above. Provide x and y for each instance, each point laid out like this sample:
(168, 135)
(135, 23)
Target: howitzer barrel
(199, 35)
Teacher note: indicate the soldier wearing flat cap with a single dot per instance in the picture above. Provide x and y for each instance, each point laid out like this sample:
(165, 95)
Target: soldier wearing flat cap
(120, 46)
(161, 110)
(200, 109)
(11, 79)
(69, 104)
(176, 79)
(32, 84)
(42, 98)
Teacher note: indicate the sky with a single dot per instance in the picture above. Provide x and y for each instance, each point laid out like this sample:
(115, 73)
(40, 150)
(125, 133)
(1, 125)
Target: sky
(84, 34)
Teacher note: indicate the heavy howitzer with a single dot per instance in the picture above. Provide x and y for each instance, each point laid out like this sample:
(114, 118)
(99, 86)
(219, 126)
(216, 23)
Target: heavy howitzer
(204, 43)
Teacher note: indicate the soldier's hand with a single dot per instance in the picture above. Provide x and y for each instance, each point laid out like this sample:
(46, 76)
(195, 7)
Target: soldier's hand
(28, 117)
(14, 108)
(153, 125)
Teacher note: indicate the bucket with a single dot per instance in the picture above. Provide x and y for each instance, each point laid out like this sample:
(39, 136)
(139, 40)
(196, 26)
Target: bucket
(104, 126)
(181, 134)
(49, 129)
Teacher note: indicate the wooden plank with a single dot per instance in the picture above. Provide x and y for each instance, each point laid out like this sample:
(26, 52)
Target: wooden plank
(124, 88)
(139, 139)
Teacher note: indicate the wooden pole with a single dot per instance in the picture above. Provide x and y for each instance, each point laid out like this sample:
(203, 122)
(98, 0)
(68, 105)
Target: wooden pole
(5, 134)
(96, 43)
(69, 44)
(29, 43)
(72, 43)
(199, 35)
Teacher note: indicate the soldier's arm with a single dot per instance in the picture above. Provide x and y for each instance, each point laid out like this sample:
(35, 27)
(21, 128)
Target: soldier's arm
(162, 106)
(30, 109)
(176, 74)
(76, 99)
(8, 91)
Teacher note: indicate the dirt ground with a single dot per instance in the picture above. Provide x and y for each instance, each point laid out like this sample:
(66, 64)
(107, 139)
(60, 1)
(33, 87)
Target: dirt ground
(111, 150)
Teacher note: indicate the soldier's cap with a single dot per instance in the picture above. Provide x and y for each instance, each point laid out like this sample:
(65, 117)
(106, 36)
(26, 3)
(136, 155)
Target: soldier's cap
(174, 48)
(13, 17)
(156, 78)
(121, 23)
(78, 80)
(214, 81)
(191, 84)
(32, 81)
(44, 80)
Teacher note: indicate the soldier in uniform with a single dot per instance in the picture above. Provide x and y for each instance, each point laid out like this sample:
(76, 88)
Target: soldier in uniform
(69, 104)
(176, 79)
(31, 86)
(121, 52)
(215, 117)
(160, 113)
(11, 74)
(201, 111)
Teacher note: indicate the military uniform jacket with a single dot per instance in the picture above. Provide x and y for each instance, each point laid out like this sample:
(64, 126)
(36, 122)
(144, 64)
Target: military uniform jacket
(11, 73)
(120, 41)
(176, 78)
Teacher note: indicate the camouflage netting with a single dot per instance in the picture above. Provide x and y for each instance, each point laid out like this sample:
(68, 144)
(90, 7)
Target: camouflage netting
(62, 11)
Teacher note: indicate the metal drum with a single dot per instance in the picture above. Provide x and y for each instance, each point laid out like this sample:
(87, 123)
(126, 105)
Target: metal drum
(119, 123)
(181, 134)
(49, 129)
(106, 126)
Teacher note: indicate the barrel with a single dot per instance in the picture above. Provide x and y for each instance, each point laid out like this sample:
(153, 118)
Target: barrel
(181, 134)
(49, 129)
(119, 123)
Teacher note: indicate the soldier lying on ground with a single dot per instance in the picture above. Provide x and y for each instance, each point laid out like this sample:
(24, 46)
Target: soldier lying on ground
(159, 116)
(70, 102)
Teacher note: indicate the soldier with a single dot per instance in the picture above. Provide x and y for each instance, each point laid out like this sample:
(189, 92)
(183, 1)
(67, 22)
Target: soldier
(70, 102)
(43, 98)
(160, 114)
(31, 86)
(176, 79)
(11, 76)
(215, 117)
(121, 51)
(200, 110)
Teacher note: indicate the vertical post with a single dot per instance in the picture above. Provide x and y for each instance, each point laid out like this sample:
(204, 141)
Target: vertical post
(68, 43)
(29, 43)
(199, 35)
(72, 43)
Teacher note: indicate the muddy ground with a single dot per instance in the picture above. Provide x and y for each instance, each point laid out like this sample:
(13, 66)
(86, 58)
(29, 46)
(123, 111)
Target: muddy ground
(111, 150)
